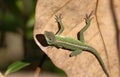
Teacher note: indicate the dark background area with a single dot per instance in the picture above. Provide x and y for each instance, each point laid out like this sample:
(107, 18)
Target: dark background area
(16, 36)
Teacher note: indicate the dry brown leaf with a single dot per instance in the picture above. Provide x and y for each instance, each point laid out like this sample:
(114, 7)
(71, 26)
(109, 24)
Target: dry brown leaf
(101, 35)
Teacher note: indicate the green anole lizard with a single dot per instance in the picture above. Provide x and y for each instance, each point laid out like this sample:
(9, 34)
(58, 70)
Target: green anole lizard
(77, 46)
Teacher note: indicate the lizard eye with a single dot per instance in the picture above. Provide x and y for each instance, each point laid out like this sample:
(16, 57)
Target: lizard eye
(50, 37)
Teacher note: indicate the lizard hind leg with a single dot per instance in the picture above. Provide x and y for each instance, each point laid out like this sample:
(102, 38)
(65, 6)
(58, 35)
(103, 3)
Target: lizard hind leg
(81, 32)
(75, 53)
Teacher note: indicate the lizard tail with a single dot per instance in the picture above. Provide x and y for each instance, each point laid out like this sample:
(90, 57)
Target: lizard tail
(96, 54)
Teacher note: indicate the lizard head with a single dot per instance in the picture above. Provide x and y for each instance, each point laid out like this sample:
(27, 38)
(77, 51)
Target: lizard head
(50, 37)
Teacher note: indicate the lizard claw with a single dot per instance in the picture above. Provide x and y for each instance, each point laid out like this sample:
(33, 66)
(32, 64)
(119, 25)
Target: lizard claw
(58, 17)
(88, 17)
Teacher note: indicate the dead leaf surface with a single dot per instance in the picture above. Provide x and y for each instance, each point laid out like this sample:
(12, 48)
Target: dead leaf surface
(101, 35)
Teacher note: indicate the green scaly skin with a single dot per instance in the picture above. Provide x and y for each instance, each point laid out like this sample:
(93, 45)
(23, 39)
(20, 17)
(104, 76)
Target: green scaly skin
(77, 46)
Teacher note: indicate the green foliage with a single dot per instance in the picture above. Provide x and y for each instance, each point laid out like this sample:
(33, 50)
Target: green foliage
(17, 16)
(30, 24)
(16, 66)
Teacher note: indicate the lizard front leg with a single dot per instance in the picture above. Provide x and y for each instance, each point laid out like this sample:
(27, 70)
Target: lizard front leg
(60, 24)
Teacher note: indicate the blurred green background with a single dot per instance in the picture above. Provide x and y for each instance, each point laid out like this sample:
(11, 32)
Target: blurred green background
(16, 36)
